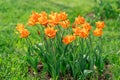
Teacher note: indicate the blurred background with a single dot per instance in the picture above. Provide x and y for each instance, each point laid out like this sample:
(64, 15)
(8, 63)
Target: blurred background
(12, 12)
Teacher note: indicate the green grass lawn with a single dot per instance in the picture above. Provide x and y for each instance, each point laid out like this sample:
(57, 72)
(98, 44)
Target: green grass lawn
(13, 65)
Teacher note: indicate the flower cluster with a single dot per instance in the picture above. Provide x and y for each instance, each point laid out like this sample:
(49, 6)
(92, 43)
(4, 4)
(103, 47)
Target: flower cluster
(49, 20)
(80, 26)
(99, 26)
(66, 47)
(24, 33)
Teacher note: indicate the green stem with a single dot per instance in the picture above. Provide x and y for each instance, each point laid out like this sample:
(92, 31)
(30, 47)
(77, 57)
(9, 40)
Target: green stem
(30, 44)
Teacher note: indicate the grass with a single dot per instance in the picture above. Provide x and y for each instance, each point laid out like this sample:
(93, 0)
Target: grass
(13, 64)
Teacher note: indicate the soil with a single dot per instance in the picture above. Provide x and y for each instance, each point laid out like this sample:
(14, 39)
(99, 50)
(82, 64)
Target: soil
(107, 75)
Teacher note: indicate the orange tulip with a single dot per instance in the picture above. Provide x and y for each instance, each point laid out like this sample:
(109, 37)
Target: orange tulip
(33, 19)
(63, 16)
(77, 31)
(31, 22)
(65, 23)
(43, 13)
(98, 32)
(54, 16)
(54, 19)
(100, 24)
(20, 27)
(68, 39)
(43, 20)
(24, 33)
(84, 33)
(79, 20)
(50, 32)
(86, 26)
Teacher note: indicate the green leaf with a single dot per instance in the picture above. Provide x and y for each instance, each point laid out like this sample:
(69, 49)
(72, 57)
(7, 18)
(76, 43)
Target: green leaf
(86, 72)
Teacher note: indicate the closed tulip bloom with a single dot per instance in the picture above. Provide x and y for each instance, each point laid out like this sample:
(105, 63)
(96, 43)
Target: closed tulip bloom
(20, 27)
(73, 25)
(100, 24)
(98, 32)
(50, 32)
(79, 20)
(68, 39)
(24, 33)
(65, 23)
